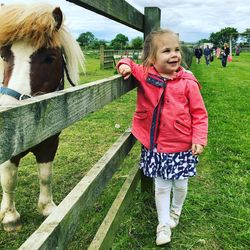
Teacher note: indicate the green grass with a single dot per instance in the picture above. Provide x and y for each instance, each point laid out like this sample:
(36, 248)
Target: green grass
(217, 209)
(93, 71)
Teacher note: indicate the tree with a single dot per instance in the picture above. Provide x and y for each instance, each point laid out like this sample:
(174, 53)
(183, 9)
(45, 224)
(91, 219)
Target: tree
(203, 41)
(137, 43)
(85, 39)
(246, 35)
(119, 42)
(224, 36)
(96, 44)
(215, 39)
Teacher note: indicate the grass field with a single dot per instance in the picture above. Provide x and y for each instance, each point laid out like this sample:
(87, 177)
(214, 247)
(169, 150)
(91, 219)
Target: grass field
(217, 209)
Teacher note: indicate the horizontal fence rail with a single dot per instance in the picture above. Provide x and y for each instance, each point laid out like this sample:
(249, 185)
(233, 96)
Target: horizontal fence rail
(106, 233)
(119, 11)
(38, 118)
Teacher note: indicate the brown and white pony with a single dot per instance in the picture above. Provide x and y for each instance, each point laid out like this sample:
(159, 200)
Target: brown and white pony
(36, 51)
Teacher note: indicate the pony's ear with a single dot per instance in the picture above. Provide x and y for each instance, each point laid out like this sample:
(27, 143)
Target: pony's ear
(58, 16)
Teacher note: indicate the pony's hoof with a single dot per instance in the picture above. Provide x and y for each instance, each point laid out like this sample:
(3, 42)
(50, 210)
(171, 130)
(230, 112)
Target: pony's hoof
(12, 226)
(46, 209)
(11, 221)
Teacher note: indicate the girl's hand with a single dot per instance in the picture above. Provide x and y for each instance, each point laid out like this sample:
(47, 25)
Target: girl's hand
(125, 71)
(197, 149)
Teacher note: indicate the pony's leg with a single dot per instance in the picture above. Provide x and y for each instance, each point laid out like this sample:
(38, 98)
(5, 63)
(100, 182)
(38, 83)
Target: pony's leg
(45, 153)
(45, 201)
(8, 213)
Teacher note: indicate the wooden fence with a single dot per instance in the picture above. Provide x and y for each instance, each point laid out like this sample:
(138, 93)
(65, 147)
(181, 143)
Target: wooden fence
(51, 113)
(109, 57)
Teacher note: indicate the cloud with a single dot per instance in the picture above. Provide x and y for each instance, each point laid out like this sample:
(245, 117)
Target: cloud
(197, 19)
(192, 19)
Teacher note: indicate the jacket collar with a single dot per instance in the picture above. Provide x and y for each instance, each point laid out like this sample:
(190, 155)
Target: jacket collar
(154, 78)
(157, 80)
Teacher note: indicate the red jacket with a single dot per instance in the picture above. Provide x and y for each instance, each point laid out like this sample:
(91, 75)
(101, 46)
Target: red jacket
(170, 113)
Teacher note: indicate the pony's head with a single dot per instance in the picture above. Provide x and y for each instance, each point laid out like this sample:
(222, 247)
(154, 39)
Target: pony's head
(35, 46)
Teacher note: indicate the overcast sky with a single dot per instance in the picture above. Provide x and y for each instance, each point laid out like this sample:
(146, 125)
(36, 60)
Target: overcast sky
(192, 19)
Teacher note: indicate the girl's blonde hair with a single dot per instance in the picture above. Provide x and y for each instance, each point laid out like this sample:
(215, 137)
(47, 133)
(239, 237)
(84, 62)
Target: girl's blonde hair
(150, 45)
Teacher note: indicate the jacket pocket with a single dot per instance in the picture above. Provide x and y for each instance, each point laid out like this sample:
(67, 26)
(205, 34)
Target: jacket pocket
(140, 115)
(183, 127)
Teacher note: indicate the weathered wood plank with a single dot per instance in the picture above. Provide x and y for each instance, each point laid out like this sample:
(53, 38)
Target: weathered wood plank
(38, 118)
(57, 230)
(152, 19)
(105, 235)
(119, 11)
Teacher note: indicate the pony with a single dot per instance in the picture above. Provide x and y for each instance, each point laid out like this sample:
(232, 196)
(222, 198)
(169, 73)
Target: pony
(37, 52)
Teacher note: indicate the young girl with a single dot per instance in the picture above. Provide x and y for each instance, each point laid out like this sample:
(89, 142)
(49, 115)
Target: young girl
(170, 121)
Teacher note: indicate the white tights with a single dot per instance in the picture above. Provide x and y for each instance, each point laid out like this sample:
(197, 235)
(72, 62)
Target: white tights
(163, 188)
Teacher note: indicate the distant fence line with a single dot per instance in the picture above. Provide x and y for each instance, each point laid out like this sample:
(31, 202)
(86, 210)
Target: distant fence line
(244, 49)
(109, 57)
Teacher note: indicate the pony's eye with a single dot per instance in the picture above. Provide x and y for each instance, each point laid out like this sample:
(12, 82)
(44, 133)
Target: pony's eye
(49, 59)
(3, 58)
(5, 55)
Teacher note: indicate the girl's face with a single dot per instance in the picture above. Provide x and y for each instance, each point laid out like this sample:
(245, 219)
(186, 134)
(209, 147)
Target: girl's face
(168, 55)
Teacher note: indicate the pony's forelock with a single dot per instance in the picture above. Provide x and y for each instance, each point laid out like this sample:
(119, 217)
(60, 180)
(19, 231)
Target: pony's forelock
(35, 23)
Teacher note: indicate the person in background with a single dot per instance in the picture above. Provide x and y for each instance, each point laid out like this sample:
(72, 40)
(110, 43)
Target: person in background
(237, 50)
(224, 53)
(198, 54)
(207, 54)
(170, 121)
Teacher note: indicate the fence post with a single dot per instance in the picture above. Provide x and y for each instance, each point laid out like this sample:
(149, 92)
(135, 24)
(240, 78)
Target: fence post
(102, 56)
(152, 20)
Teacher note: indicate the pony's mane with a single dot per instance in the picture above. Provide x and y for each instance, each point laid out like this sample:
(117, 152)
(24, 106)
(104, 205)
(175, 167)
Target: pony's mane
(1, 71)
(35, 23)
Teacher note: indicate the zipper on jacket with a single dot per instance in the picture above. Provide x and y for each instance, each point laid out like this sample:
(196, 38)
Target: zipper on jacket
(156, 119)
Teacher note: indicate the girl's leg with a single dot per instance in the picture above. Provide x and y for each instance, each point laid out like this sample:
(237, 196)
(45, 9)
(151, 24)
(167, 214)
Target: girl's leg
(180, 188)
(179, 196)
(162, 199)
